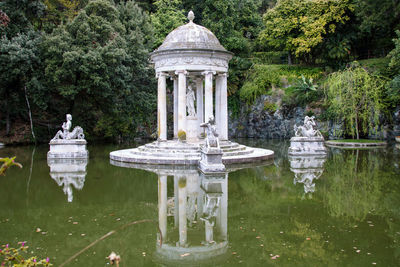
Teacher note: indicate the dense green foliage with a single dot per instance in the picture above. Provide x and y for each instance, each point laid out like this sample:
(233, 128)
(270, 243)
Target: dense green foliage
(90, 57)
(299, 27)
(263, 77)
(97, 65)
(169, 16)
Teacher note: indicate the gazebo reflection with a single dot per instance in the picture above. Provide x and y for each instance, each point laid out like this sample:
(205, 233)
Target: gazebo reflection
(198, 210)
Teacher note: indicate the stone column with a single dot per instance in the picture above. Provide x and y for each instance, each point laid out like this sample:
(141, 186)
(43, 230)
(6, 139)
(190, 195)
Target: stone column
(200, 102)
(162, 107)
(223, 110)
(222, 223)
(181, 99)
(218, 83)
(182, 195)
(162, 205)
(176, 201)
(208, 94)
(175, 79)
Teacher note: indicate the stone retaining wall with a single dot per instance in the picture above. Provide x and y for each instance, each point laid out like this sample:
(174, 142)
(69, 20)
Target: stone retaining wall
(259, 121)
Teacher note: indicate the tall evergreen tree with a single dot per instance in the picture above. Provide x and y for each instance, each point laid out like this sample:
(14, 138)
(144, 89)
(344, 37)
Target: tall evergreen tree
(97, 67)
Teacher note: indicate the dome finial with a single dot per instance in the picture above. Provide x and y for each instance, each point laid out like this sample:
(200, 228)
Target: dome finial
(190, 16)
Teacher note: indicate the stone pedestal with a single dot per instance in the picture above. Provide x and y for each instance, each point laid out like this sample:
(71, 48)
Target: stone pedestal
(302, 146)
(67, 149)
(211, 160)
(192, 129)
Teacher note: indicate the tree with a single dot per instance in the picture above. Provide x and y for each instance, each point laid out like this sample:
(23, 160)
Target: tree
(393, 87)
(19, 61)
(168, 16)
(376, 21)
(235, 23)
(60, 11)
(19, 56)
(97, 68)
(355, 96)
(298, 27)
(24, 16)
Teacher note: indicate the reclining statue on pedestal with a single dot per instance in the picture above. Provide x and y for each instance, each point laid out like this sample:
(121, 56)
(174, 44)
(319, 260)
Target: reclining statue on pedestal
(212, 140)
(308, 129)
(77, 133)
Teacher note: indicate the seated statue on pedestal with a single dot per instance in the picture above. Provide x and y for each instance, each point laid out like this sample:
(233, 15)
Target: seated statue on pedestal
(77, 133)
(212, 140)
(308, 129)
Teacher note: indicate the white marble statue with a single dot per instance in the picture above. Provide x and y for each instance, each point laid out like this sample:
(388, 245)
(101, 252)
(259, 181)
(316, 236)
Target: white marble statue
(77, 133)
(211, 131)
(190, 98)
(308, 129)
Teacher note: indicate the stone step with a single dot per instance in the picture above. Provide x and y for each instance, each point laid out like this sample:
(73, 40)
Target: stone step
(164, 154)
(238, 153)
(171, 147)
(161, 150)
(238, 148)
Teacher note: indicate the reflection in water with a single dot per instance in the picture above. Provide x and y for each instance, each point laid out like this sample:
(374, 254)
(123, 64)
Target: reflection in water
(199, 208)
(69, 173)
(306, 169)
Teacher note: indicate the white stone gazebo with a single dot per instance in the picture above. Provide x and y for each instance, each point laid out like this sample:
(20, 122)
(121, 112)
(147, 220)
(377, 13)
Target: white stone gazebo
(197, 63)
(192, 53)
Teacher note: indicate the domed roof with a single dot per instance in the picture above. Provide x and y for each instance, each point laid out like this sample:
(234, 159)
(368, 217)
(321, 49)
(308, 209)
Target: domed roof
(191, 36)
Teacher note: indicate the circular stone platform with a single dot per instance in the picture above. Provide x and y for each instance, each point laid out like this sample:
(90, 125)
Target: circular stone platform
(178, 153)
(355, 144)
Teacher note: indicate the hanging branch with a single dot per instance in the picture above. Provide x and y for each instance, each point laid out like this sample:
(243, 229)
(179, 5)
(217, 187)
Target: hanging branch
(30, 114)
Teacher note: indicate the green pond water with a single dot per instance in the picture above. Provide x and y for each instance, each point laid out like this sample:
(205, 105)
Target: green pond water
(343, 210)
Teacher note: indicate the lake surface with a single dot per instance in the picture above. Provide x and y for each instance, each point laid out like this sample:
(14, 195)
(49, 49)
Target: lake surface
(343, 210)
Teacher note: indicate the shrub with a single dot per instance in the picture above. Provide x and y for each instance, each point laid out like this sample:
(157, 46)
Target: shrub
(181, 135)
(14, 257)
(261, 78)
